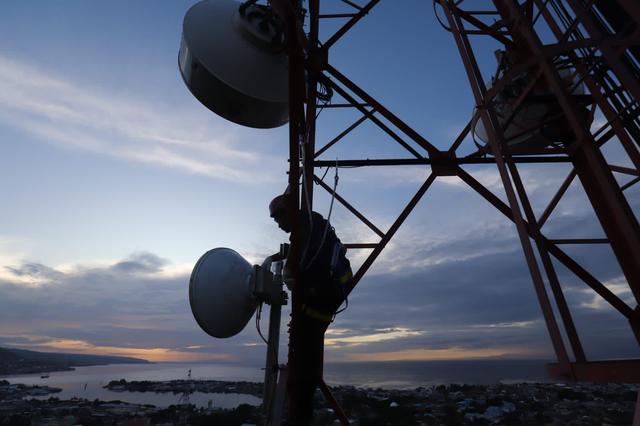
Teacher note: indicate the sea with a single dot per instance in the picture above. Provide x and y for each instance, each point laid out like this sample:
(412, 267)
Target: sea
(89, 382)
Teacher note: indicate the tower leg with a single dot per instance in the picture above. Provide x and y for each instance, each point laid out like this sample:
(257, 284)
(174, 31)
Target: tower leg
(277, 407)
(306, 353)
(271, 367)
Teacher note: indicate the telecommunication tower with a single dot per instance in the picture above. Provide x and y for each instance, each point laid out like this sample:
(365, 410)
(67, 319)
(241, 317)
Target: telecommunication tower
(560, 64)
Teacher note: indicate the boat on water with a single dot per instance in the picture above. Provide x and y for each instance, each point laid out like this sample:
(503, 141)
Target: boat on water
(44, 376)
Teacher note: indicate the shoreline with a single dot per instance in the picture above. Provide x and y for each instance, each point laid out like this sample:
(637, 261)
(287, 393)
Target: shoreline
(186, 386)
(521, 403)
(15, 361)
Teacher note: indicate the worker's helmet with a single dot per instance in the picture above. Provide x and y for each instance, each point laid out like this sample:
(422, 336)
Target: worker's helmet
(278, 206)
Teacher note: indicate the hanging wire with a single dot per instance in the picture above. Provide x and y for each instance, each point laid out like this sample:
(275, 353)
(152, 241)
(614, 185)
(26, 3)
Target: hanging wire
(326, 226)
(326, 170)
(339, 311)
(305, 186)
(258, 316)
(324, 93)
(435, 12)
(324, 104)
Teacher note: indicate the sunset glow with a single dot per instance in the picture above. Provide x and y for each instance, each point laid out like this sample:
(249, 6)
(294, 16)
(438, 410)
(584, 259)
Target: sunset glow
(149, 354)
(449, 354)
(381, 336)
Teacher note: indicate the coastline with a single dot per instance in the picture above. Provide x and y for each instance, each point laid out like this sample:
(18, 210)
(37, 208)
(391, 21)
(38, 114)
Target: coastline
(34, 370)
(508, 404)
(15, 361)
(403, 393)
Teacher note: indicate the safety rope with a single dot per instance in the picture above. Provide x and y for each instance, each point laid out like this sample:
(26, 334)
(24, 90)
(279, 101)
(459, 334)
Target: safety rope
(326, 226)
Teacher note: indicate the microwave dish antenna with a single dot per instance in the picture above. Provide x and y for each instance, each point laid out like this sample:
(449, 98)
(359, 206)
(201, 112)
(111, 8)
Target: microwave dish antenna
(220, 294)
(233, 61)
(529, 115)
(224, 292)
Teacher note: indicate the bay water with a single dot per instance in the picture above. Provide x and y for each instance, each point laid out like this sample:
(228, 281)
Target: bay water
(89, 382)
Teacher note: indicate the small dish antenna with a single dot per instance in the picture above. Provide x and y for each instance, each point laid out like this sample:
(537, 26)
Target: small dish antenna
(220, 293)
(233, 60)
(224, 291)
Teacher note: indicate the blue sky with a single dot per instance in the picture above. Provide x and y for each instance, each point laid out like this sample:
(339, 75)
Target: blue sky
(115, 180)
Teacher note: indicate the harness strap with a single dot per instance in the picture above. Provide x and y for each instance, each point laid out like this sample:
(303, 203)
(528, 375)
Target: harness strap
(317, 315)
(323, 315)
(345, 278)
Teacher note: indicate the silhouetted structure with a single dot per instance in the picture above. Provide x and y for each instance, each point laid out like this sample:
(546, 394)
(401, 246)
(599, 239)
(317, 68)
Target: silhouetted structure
(539, 109)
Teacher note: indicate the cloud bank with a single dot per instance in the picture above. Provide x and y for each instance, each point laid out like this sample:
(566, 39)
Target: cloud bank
(57, 111)
(449, 299)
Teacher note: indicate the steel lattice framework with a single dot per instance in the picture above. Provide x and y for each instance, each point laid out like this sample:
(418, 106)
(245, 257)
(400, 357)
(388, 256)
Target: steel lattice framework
(599, 41)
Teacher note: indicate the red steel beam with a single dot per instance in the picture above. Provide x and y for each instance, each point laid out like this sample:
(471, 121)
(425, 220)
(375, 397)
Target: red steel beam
(625, 170)
(336, 15)
(390, 233)
(352, 4)
(630, 183)
(335, 406)
(632, 8)
(595, 90)
(436, 160)
(361, 245)
(484, 28)
(341, 135)
(618, 371)
(554, 282)
(565, 259)
(396, 121)
(370, 115)
(463, 134)
(556, 198)
(613, 211)
(345, 105)
(580, 241)
(510, 212)
(346, 27)
(496, 140)
(611, 56)
(349, 207)
(288, 10)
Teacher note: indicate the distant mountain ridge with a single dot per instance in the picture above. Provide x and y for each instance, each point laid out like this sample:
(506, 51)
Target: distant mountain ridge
(22, 361)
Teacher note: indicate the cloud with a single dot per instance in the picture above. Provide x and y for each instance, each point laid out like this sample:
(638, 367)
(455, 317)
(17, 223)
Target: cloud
(140, 263)
(135, 307)
(33, 273)
(617, 285)
(76, 117)
(380, 335)
(473, 292)
(425, 248)
(156, 354)
(434, 296)
(515, 324)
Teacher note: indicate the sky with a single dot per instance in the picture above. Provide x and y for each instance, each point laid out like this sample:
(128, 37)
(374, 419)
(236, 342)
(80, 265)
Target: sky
(115, 180)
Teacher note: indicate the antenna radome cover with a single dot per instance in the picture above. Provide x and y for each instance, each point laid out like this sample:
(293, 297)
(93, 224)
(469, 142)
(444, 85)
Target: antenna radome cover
(219, 293)
(229, 70)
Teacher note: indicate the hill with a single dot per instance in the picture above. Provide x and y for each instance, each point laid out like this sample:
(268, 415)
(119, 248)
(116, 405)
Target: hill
(21, 361)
